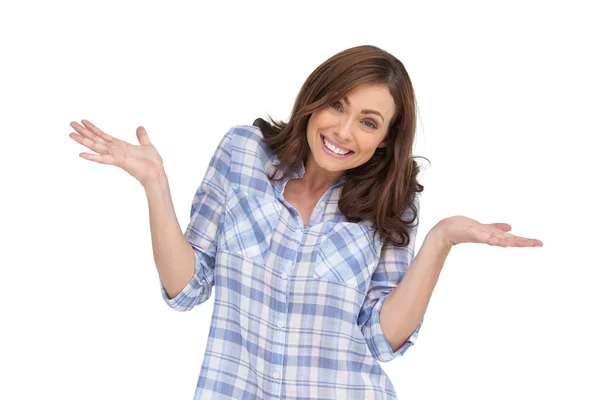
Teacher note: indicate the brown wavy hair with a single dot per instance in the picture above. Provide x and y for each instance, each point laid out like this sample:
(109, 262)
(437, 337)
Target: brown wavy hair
(381, 189)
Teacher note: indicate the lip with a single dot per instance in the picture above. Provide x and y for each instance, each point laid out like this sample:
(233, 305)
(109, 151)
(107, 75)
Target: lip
(329, 152)
(336, 144)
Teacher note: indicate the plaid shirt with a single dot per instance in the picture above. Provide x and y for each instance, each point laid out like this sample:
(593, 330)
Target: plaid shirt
(296, 310)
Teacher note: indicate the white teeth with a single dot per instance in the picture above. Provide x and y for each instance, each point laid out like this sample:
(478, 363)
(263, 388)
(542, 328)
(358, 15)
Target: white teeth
(335, 149)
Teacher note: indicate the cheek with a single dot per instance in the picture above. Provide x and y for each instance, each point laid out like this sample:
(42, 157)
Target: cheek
(322, 117)
(368, 146)
(313, 121)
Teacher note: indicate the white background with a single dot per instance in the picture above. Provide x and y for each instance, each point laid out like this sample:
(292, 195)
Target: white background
(508, 101)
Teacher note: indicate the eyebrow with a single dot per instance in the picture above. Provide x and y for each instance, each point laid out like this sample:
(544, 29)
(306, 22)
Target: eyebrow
(365, 111)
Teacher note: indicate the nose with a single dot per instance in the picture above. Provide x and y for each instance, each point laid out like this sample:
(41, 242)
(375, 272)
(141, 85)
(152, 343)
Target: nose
(344, 131)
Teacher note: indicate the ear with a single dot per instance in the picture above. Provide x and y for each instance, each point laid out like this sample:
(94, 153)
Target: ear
(382, 145)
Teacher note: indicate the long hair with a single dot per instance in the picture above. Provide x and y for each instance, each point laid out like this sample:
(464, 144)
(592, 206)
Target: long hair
(385, 186)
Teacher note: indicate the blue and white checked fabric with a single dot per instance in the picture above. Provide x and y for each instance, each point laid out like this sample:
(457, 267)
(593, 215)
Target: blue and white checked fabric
(296, 310)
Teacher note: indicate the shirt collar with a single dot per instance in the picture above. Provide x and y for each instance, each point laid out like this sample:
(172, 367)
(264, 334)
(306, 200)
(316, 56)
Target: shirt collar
(299, 173)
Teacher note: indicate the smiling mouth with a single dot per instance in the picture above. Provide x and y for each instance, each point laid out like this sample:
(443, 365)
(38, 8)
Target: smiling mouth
(332, 153)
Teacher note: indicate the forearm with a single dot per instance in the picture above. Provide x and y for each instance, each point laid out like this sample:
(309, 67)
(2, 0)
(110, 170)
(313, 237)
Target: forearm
(405, 306)
(173, 254)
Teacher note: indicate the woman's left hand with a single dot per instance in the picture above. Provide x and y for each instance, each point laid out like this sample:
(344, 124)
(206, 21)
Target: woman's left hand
(460, 229)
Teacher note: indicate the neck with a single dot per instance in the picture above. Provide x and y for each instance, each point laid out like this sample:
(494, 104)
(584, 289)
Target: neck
(317, 180)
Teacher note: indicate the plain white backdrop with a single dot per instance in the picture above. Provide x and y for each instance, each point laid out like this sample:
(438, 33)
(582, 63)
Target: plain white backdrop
(508, 115)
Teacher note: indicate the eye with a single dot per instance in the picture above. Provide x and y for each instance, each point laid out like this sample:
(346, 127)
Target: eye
(334, 103)
(373, 125)
(370, 123)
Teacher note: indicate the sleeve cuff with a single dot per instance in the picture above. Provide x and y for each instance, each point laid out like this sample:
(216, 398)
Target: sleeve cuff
(382, 348)
(195, 292)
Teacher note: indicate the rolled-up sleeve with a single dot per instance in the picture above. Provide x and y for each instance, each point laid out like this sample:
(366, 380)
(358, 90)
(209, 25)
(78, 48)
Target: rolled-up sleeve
(393, 263)
(203, 228)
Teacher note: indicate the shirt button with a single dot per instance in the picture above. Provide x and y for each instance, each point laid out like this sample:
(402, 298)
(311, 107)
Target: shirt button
(280, 324)
(284, 275)
(322, 204)
(276, 375)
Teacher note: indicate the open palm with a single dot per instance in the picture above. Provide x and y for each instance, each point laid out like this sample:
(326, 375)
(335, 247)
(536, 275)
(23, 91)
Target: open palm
(142, 161)
(461, 229)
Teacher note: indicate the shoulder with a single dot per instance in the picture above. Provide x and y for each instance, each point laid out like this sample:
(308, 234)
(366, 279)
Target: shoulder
(246, 133)
(250, 155)
(248, 139)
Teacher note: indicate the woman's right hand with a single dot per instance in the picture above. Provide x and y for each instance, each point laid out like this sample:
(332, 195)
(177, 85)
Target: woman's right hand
(142, 162)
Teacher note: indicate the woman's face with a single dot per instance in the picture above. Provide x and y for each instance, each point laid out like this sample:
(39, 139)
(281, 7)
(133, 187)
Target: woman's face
(345, 134)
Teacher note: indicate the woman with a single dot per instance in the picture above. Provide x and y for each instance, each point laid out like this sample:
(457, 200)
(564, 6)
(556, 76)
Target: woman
(305, 229)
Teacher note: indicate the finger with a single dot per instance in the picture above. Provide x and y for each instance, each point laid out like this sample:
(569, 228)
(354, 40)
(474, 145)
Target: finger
(496, 237)
(509, 240)
(142, 136)
(100, 148)
(96, 130)
(107, 159)
(501, 225)
(83, 131)
(518, 241)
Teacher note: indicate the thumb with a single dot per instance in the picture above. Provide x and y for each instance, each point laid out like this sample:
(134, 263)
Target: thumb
(142, 135)
(502, 226)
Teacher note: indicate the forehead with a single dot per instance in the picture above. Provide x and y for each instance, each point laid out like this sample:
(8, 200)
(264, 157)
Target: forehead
(376, 97)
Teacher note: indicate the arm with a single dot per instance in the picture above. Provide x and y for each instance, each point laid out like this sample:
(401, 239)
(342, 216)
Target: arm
(394, 261)
(173, 254)
(406, 305)
(404, 308)
(186, 262)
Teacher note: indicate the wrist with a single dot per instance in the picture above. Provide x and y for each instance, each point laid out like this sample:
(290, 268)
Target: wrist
(158, 181)
(439, 238)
